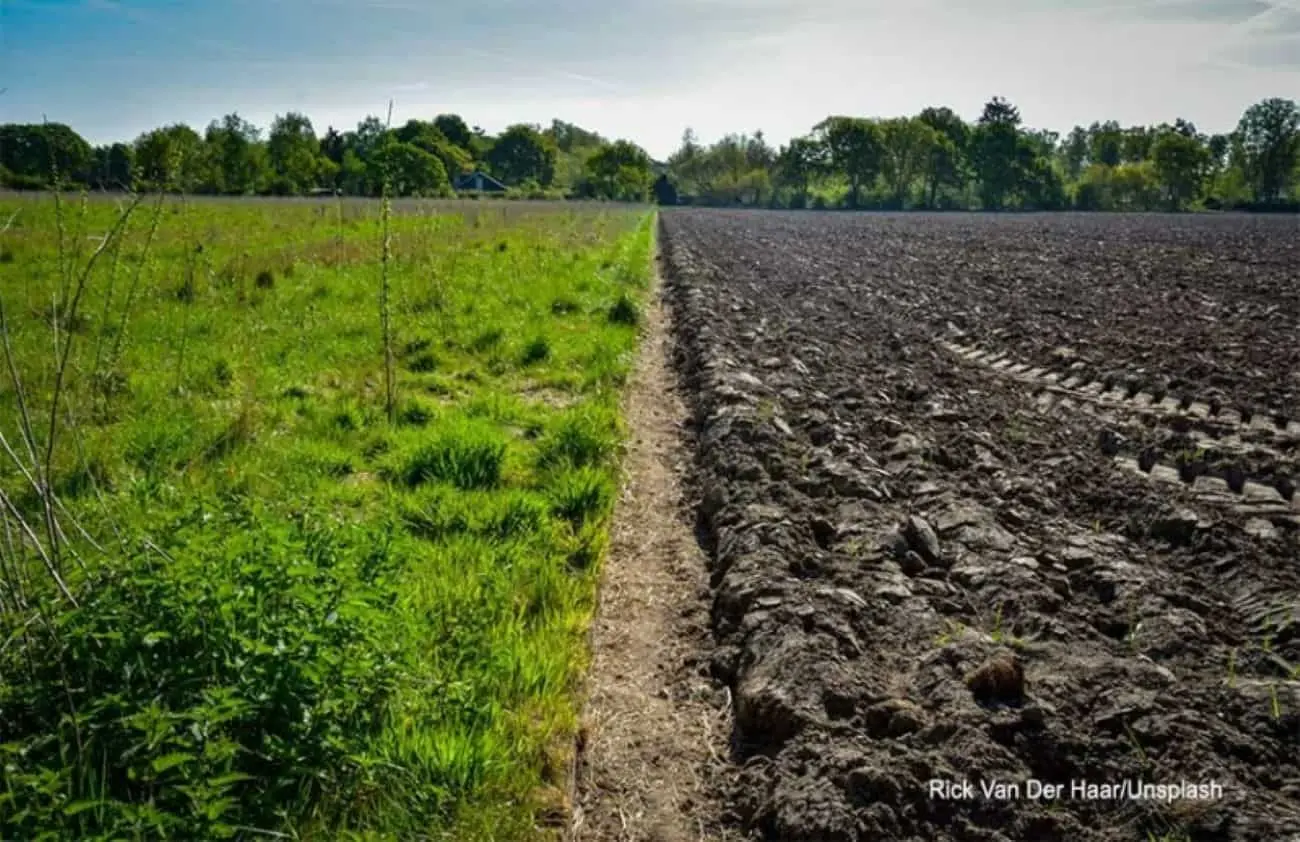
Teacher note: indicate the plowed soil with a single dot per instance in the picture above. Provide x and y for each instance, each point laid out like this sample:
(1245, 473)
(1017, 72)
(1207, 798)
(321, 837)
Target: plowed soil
(999, 499)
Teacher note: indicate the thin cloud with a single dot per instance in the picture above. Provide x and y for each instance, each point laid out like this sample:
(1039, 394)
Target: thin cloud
(1275, 52)
(1207, 11)
(155, 21)
(535, 67)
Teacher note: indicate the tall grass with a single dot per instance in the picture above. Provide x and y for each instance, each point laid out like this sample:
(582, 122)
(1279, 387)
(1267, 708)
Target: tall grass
(247, 593)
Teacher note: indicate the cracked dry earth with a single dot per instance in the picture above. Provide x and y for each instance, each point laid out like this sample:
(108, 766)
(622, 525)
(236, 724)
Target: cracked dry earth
(998, 498)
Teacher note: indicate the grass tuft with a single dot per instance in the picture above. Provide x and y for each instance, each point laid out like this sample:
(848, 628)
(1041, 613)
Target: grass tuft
(537, 350)
(581, 497)
(415, 413)
(581, 437)
(423, 363)
(467, 455)
(625, 311)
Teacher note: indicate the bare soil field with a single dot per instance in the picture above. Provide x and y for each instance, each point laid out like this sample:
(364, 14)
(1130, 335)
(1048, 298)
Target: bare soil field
(993, 499)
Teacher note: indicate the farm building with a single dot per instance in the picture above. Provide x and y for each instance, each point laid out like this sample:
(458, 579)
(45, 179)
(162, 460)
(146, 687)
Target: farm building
(478, 182)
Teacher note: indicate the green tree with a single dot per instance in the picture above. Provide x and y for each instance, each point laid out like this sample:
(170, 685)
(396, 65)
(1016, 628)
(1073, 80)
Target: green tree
(1135, 187)
(1135, 144)
(367, 136)
(575, 147)
(1074, 152)
(480, 143)
(1181, 164)
(455, 130)
(798, 163)
(1218, 146)
(570, 138)
(419, 132)
(411, 171)
(1038, 182)
(427, 136)
(1092, 190)
(1106, 143)
(907, 145)
(113, 167)
(37, 152)
(856, 151)
(759, 154)
(294, 154)
(354, 176)
(947, 164)
(995, 148)
(171, 156)
(121, 166)
(238, 157)
(621, 170)
(521, 154)
(688, 164)
(333, 144)
(1269, 147)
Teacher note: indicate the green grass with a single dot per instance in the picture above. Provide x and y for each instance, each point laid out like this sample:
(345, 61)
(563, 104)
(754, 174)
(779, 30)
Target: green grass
(293, 616)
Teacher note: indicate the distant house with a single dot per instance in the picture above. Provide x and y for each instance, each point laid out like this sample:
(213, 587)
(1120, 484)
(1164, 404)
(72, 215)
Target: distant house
(478, 182)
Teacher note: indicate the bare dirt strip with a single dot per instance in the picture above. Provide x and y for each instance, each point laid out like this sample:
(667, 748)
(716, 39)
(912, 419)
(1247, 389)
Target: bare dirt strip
(654, 752)
(931, 561)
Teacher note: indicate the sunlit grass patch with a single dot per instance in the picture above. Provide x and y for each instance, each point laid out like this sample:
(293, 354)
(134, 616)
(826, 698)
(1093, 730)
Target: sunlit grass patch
(583, 436)
(466, 455)
(299, 617)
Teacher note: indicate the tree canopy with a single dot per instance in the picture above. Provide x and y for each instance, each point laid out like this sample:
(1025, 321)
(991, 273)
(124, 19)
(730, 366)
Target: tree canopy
(933, 159)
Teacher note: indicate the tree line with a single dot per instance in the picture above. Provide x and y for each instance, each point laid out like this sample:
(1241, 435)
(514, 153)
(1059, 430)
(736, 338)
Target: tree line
(932, 160)
(420, 158)
(937, 160)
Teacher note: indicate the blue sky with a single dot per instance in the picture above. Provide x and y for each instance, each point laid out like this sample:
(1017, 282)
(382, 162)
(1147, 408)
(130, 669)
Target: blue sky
(641, 69)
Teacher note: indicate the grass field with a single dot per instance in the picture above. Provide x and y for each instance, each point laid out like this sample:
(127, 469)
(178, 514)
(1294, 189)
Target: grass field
(239, 596)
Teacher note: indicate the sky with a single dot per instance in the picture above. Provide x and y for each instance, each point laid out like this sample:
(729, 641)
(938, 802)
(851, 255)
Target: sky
(644, 70)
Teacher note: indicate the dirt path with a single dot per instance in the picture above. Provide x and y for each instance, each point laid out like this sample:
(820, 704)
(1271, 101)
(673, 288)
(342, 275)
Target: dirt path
(656, 727)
